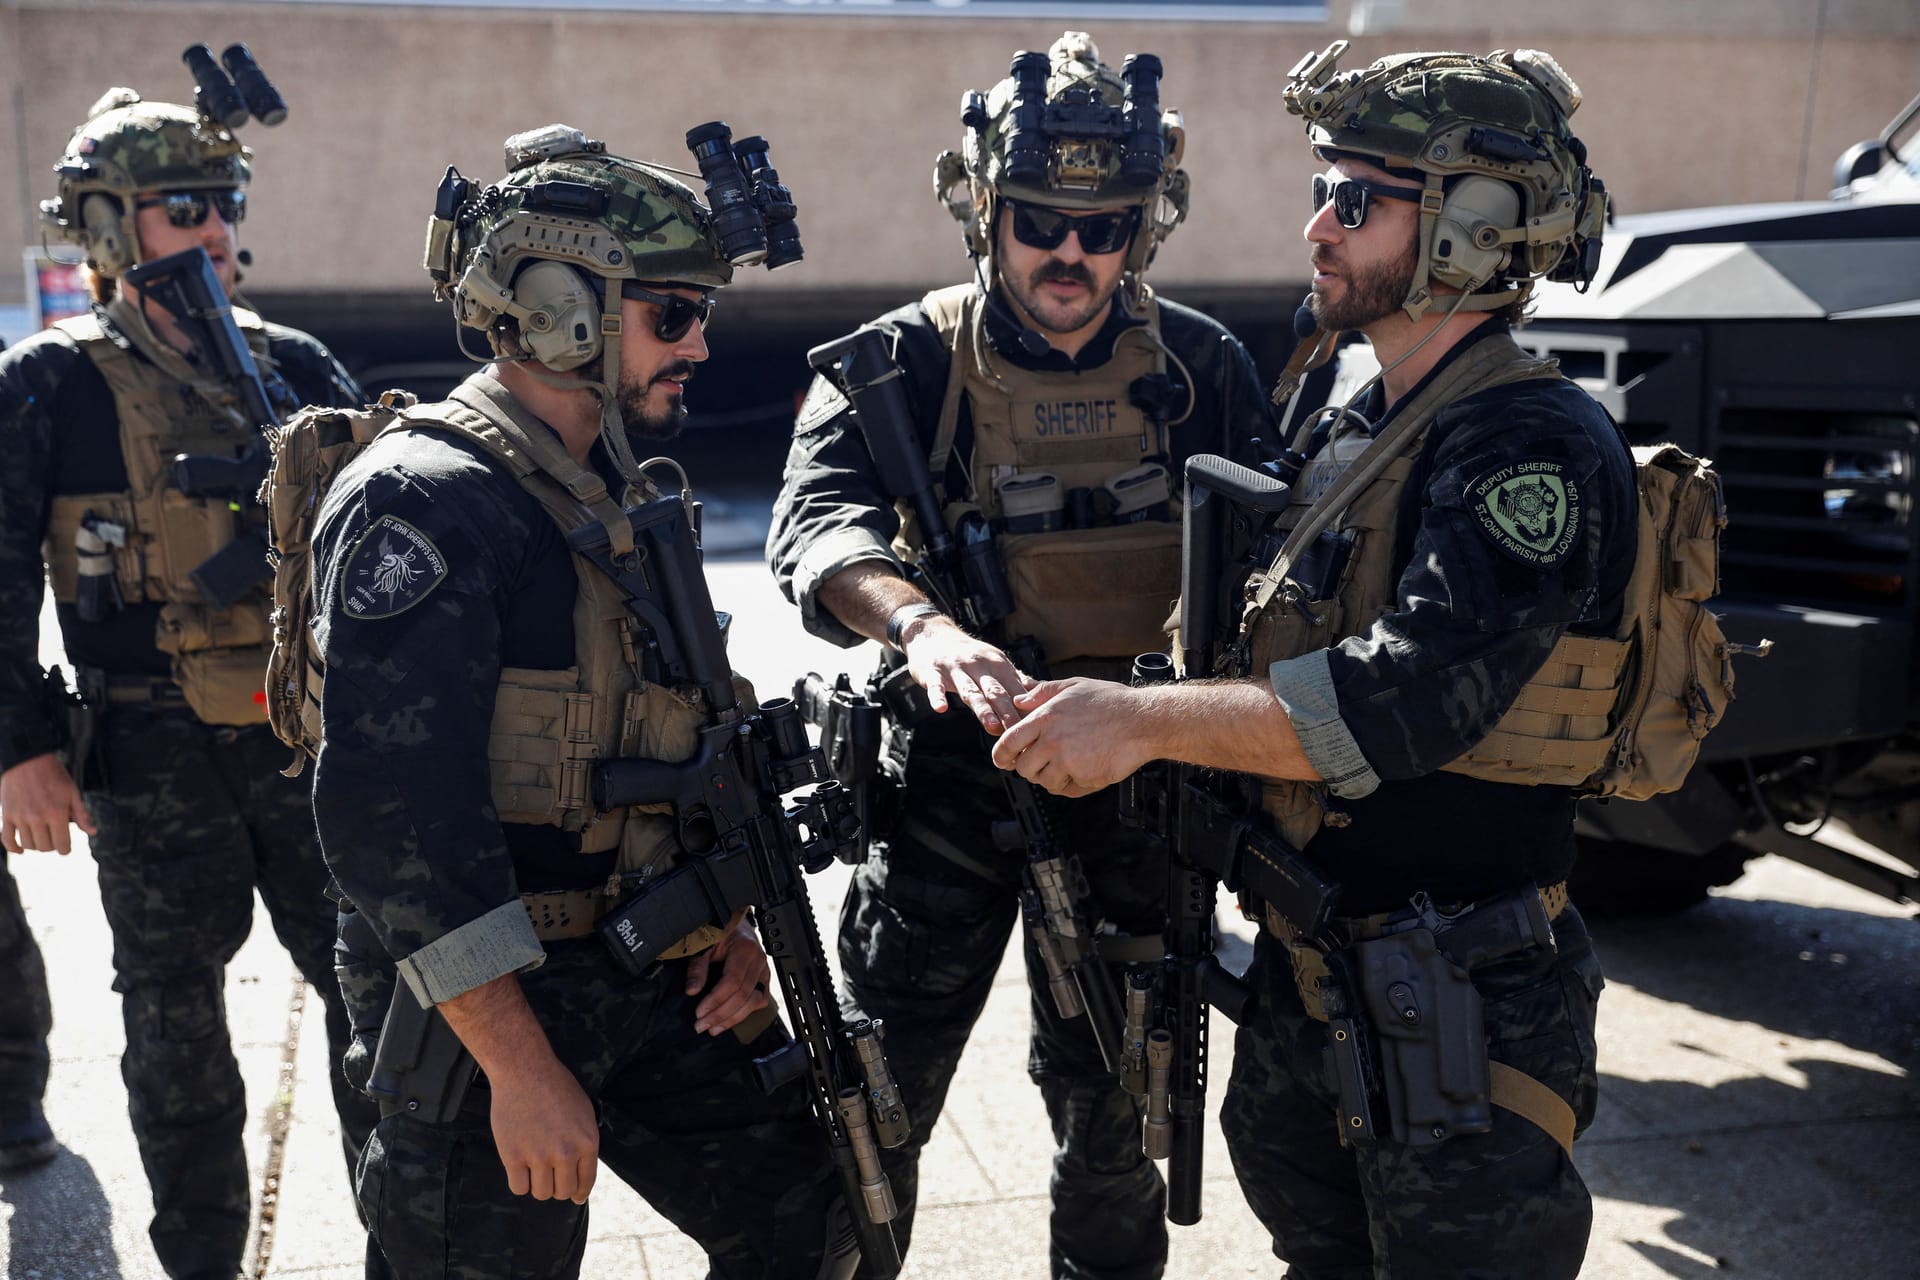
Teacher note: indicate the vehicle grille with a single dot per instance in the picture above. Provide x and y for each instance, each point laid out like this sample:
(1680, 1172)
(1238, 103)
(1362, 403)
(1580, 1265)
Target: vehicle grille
(1824, 498)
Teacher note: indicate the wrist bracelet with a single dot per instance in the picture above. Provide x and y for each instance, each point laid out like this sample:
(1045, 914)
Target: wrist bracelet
(897, 621)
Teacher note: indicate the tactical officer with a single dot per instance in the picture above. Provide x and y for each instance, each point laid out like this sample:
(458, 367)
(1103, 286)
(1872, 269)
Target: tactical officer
(473, 669)
(183, 798)
(1056, 399)
(1433, 660)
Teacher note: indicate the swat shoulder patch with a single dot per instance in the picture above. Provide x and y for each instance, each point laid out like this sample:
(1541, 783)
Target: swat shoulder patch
(393, 567)
(824, 402)
(1531, 510)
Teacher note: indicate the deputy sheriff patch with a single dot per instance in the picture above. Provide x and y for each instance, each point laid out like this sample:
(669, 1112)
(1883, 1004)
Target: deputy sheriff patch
(393, 567)
(1531, 510)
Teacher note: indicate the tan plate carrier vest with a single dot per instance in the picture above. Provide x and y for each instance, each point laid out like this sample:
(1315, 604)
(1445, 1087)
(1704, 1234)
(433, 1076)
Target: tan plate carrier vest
(167, 407)
(549, 727)
(1558, 730)
(1101, 593)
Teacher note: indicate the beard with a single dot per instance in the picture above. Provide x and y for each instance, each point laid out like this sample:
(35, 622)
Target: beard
(655, 424)
(1372, 293)
(1048, 313)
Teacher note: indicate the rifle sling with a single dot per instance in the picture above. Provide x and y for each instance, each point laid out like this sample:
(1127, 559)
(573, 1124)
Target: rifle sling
(933, 840)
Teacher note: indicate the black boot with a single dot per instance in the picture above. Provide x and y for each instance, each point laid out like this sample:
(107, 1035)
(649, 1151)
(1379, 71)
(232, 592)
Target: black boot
(25, 1139)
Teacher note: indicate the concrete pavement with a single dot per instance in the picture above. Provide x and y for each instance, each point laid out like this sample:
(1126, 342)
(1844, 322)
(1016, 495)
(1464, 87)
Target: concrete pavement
(1758, 1111)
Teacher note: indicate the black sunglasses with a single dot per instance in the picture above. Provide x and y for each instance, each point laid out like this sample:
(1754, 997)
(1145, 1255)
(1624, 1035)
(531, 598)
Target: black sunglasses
(1350, 196)
(677, 314)
(190, 208)
(1038, 227)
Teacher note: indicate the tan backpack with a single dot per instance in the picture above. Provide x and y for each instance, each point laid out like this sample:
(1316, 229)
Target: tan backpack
(309, 452)
(1681, 678)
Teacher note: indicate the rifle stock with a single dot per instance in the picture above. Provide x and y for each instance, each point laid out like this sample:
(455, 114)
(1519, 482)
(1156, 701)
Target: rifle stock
(185, 285)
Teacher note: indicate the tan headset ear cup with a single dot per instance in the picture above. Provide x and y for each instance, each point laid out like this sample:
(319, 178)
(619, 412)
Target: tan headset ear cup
(561, 324)
(105, 234)
(1466, 252)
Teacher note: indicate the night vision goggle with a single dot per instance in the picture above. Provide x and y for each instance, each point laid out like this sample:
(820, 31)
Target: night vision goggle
(1071, 140)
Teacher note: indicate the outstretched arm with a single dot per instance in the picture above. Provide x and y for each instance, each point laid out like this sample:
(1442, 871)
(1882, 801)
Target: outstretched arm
(1079, 736)
(943, 657)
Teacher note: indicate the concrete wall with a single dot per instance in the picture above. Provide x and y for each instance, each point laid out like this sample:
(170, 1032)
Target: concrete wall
(1703, 102)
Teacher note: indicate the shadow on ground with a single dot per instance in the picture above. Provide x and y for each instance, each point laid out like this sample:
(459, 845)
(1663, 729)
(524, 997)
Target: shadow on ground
(60, 1211)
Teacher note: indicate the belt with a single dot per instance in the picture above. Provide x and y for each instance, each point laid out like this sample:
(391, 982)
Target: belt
(99, 689)
(573, 913)
(1553, 900)
(1511, 1089)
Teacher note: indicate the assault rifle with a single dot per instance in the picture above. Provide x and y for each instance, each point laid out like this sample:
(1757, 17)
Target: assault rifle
(1215, 834)
(185, 286)
(965, 576)
(745, 848)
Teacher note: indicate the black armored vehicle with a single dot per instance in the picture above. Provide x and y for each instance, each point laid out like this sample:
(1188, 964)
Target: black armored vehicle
(1783, 342)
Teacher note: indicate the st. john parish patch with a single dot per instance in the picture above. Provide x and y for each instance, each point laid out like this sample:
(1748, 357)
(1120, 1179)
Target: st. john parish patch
(393, 568)
(1530, 510)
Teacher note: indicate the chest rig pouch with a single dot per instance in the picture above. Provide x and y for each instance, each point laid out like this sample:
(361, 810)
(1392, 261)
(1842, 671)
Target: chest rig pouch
(1098, 592)
(150, 538)
(551, 727)
(1333, 577)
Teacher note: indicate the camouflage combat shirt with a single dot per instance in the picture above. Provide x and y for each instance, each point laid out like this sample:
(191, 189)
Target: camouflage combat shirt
(1473, 621)
(402, 793)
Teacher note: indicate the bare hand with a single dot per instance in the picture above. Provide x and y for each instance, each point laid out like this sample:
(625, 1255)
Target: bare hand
(545, 1131)
(1076, 736)
(945, 658)
(742, 986)
(37, 802)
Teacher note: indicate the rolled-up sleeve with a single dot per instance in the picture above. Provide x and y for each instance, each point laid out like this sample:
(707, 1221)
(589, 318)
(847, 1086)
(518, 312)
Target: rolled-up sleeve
(1304, 686)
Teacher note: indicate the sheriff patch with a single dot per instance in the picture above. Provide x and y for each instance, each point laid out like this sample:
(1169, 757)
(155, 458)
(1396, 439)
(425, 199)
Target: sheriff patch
(1530, 510)
(1068, 419)
(393, 567)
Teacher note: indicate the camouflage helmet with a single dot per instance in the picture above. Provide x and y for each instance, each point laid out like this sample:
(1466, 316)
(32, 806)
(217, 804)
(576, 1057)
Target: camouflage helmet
(1066, 131)
(126, 146)
(564, 201)
(535, 261)
(1507, 197)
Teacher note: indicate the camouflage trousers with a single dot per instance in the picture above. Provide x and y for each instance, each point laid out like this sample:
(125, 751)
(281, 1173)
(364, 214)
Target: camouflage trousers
(25, 1013)
(1506, 1203)
(193, 820)
(921, 937)
(684, 1121)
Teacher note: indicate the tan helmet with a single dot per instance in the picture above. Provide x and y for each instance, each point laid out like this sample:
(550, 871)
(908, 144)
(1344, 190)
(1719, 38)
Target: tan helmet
(129, 145)
(1065, 130)
(1507, 195)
